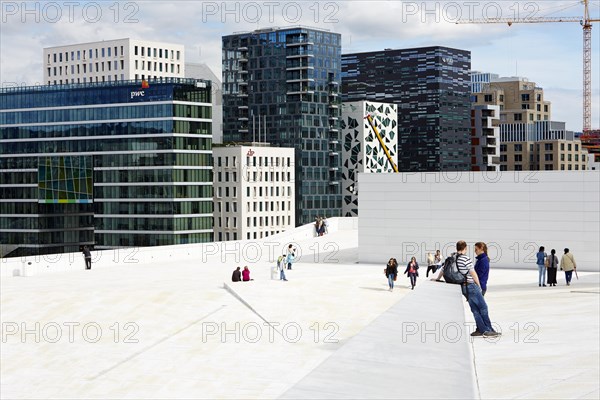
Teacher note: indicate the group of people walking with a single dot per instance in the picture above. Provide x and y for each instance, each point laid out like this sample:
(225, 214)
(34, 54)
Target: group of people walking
(391, 272)
(548, 266)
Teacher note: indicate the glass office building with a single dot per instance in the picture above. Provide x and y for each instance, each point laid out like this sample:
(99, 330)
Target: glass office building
(431, 87)
(105, 164)
(281, 86)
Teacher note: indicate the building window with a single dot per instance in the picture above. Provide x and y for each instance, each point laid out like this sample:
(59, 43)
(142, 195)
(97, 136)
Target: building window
(569, 147)
(488, 98)
(548, 147)
(519, 117)
(518, 167)
(549, 157)
(525, 97)
(518, 157)
(548, 167)
(576, 147)
(518, 147)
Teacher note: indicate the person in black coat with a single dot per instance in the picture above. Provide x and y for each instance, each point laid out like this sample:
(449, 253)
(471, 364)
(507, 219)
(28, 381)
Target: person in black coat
(391, 271)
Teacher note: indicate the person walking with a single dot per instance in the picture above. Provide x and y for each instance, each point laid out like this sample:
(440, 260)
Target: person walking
(552, 267)
(567, 264)
(391, 271)
(430, 264)
(281, 267)
(411, 270)
(482, 265)
(541, 263)
(88, 257)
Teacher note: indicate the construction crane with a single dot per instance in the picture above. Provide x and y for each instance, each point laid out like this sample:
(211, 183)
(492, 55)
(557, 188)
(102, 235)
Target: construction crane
(586, 23)
(369, 118)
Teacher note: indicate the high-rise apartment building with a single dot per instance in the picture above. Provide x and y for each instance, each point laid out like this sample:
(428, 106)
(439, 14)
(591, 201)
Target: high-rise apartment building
(361, 149)
(281, 86)
(113, 60)
(253, 191)
(431, 88)
(485, 138)
(105, 164)
(519, 100)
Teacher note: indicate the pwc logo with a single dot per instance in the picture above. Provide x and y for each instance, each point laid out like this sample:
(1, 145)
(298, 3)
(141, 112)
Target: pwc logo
(140, 92)
(250, 153)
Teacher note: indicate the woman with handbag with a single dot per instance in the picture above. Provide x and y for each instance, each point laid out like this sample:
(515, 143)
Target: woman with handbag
(391, 271)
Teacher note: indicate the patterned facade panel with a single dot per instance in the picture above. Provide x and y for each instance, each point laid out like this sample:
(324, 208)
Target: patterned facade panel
(361, 149)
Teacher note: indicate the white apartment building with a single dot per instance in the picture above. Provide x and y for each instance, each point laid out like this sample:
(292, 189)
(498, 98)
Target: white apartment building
(361, 150)
(113, 60)
(254, 191)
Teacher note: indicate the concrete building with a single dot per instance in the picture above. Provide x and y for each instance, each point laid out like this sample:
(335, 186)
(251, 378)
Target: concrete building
(430, 86)
(485, 138)
(361, 150)
(519, 99)
(543, 155)
(106, 165)
(283, 84)
(112, 60)
(254, 191)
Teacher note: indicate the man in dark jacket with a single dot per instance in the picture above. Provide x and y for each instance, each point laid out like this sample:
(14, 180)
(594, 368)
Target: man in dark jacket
(237, 275)
(88, 257)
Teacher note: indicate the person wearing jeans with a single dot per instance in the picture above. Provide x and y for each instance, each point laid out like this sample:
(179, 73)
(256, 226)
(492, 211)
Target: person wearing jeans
(567, 264)
(473, 293)
(541, 263)
(391, 271)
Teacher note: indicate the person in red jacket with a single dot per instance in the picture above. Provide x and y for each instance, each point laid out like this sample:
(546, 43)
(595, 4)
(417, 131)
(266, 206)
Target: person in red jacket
(411, 270)
(246, 274)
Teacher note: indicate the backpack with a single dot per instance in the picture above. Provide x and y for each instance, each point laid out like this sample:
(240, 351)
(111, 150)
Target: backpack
(451, 272)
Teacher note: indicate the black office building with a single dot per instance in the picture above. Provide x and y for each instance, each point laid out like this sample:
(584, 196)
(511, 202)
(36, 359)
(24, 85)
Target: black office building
(430, 86)
(282, 86)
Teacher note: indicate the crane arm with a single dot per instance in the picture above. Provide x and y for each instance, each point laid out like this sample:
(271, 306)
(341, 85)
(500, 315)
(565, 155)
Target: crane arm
(511, 21)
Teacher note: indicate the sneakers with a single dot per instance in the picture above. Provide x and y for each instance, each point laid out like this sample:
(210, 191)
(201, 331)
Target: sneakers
(491, 334)
(477, 334)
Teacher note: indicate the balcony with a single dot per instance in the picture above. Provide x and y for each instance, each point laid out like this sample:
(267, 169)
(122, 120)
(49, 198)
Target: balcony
(300, 80)
(302, 55)
(299, 43)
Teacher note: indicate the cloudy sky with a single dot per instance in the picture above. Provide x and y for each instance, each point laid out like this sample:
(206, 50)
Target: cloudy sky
(549, 54)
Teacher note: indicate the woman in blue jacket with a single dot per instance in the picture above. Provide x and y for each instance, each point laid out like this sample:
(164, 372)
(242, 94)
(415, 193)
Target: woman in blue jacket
(482, 265)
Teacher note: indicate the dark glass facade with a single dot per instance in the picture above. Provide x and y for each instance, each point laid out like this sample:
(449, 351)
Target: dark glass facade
(430, 86)
(282, 86)
(105, 165)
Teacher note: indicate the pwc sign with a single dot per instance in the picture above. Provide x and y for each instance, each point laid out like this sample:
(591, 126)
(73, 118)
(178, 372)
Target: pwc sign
(140, 92)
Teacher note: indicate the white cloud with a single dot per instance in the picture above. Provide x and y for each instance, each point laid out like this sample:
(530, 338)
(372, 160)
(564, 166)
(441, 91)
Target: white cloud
(549, 54)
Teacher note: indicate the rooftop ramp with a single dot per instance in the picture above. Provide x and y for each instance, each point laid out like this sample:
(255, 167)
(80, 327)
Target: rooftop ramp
(418, 349)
